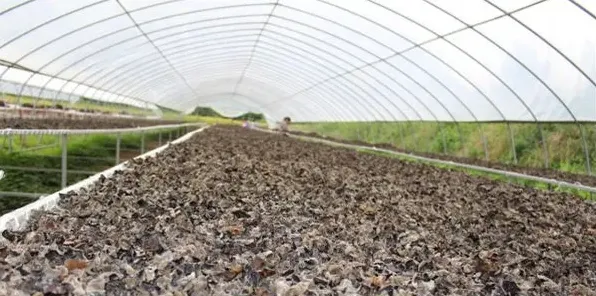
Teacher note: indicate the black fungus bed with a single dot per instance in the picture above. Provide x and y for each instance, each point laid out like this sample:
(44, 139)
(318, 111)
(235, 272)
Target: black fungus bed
(86, 123)
(239, 212)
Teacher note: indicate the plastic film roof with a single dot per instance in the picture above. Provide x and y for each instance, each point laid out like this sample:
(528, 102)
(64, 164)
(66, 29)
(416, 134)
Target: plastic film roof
(313, 60)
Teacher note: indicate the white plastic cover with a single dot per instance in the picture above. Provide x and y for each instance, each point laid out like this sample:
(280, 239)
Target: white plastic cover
(312, 60)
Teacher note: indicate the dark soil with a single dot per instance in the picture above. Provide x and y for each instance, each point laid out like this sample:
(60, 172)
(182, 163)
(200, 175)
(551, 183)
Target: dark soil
(239, 212)
(541, 172)
(87, 123)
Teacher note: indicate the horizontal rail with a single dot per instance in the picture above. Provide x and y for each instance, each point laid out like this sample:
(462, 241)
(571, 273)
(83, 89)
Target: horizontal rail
(5, 194)
(38, 147)
(8, 131)
(559, 183)
(47, 170)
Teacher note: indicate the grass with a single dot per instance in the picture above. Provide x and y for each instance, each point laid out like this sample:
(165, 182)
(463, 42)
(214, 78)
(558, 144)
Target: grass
(563, 141)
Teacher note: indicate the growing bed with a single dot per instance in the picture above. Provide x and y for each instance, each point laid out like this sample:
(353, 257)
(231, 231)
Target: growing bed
(240, 212)
(87, 123)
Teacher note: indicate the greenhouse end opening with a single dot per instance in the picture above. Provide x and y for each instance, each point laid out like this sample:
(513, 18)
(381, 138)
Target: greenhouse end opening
(297, 147)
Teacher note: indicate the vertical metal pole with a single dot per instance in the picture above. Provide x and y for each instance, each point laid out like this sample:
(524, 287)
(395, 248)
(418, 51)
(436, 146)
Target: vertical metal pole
(586, 150)
(170, 136)
(63, 168)
(442, 130)
(513, 152)
(142, 142)
(10, 143)
(484, 142)
(415, 135)
(461, 139)
(401, 134)
(159, 138)
(544, 146)
(118, 141)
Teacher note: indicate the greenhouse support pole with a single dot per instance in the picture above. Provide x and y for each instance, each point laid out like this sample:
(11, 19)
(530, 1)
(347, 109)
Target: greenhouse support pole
(159, 138)
(513, 152)
(415, 135)
(461, 138)
(63, 168)
(170, 136)
(142, 142)
(586, 150)
(484, 142)
(118, 140)
(442, 130)
(401, 134)
(10, 143)
(544, 146)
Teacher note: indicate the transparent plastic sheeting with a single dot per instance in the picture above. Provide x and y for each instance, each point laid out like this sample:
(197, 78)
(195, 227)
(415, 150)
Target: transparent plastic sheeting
(314, 60)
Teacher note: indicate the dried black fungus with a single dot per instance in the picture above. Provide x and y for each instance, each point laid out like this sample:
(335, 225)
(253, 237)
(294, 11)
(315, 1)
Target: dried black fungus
(249, 213)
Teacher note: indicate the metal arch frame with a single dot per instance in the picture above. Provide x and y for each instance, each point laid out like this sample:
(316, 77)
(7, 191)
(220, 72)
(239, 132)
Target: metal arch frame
(473, 28)
(412, 108)
(548, 43)
(216, 8)
(334, 94)
(16, 6)
(182, 78)
(414, 63)
(277, 40)
(139, 62)
(37, 27)
(492, 73)
(365, 50)
(296, 54)
(191, 69)
(510, 15)
(125, 40)
(173, 1)
(241, 95)
(254, 47)
(124, 73)
(372, 106)
(93, 64)
(119, 30)
(563, 56)
(250, 98)
(51, 21)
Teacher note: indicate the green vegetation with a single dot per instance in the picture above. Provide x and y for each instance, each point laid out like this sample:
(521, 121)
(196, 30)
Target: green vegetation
(206, 111)
(250, 116)
(563, 141)
(210, 113)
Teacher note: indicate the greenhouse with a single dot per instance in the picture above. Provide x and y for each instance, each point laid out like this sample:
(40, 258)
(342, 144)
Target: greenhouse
(297, 147)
